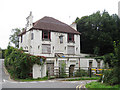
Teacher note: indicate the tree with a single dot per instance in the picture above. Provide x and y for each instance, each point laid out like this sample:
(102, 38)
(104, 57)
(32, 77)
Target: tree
(98, 30)
(14, 37)
(113, 59)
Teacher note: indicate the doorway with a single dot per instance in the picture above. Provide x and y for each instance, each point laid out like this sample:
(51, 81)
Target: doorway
(71, 70)
(50, 69)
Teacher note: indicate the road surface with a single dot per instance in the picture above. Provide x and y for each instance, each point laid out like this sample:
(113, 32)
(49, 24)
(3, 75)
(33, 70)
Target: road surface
(7, 83)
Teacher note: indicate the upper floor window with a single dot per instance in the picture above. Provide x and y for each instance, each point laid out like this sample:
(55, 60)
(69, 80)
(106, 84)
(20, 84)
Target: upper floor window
(32, 35)
(61, 39)
(70, 37)
(21, 38)
(46, 35)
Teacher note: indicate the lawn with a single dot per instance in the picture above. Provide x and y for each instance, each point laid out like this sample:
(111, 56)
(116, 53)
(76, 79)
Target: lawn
(30, 79)
(83, 78)
(101, 85)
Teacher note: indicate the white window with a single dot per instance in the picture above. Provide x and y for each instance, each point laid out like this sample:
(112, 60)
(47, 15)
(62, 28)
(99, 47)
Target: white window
(32, 35)
(71, 50)
(61, 39)
(46, 35)
(46, 48)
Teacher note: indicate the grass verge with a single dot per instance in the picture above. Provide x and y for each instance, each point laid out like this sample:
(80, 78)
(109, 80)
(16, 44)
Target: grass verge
(30, 79)
(83, 78)
(100, 85)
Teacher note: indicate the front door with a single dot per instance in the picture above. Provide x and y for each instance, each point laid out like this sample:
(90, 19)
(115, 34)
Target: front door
(71, 70)
(50, 69)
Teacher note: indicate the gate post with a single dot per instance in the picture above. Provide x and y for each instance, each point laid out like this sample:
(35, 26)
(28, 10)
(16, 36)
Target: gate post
(90, 72)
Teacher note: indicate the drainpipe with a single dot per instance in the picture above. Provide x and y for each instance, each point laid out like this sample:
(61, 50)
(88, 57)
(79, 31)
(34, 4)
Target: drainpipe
(79, 65)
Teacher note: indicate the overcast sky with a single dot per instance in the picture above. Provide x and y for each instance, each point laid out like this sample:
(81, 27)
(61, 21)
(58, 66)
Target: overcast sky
(13, 13)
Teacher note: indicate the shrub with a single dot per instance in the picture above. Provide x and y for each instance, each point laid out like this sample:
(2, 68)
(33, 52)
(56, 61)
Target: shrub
(81, 73)
(19, 64)
(62, 70)
(111, 77)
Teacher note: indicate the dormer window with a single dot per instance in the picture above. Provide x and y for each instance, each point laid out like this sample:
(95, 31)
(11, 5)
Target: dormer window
(46, 35)
(70, 37)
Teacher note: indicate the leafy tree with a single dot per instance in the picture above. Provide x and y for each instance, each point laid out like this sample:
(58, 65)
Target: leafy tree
(14, 37)
(19, 64)
(113, 59)
(98, 30)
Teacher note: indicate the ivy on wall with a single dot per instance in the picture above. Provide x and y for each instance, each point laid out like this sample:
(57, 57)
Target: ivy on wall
(19, 64)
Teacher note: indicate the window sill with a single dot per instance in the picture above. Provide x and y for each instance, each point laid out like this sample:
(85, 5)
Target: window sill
(46, 39)
(71, 41)
(46, 53)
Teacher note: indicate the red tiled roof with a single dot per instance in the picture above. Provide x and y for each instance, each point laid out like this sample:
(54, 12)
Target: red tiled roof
(51, 24)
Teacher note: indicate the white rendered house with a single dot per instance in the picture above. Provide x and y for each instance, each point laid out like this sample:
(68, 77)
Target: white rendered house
(58, 42)
(50, 37)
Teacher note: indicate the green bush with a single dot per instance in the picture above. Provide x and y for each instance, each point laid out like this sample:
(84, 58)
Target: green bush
(62, 70)
(19, 64)
(111, 77)
(81, 73)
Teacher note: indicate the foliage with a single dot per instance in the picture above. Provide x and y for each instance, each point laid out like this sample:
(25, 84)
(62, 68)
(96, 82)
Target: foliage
(31, 79)
(19, 64)
(108, 58)
(81, 73)
(99, 30)
(14, 37)
(99, 85)
(83, 78)
(113, 59)
(111, 77)
(62, 70)
(96, 50)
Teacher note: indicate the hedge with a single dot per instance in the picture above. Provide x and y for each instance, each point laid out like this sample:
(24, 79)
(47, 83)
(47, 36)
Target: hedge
(19, 64)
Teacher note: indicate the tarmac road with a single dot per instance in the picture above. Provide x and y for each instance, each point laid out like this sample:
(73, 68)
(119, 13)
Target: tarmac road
(56, 83)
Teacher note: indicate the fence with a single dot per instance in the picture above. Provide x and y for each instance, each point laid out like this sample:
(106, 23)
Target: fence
(81, 72)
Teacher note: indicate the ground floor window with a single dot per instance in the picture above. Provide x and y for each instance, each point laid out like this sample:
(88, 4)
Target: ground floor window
(71, 50)
(46, 48)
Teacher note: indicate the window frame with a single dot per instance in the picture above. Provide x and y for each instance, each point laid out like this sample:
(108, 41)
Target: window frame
(73, 51)
(46, 52)
(72, 38)
(61, 39)
(32, 36)
(48, 35)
